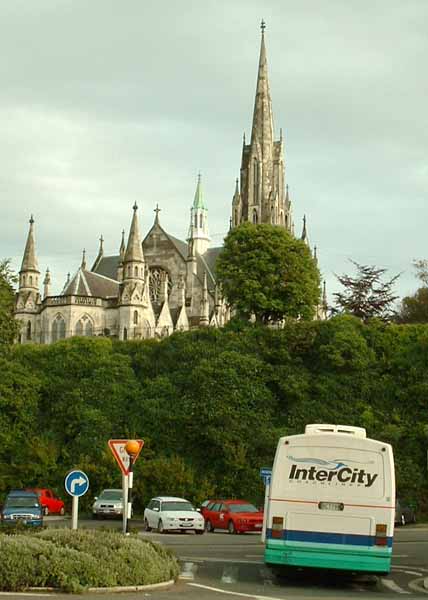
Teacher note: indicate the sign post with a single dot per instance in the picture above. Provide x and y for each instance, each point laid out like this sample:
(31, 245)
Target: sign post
(266, 474)
(76, 484)
(126, 453)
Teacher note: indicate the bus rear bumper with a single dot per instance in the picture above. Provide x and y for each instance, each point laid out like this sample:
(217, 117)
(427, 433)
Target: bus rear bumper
(328, 556)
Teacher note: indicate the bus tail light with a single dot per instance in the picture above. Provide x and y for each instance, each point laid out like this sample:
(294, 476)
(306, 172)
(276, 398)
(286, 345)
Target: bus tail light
(277, 527)
(380, 538)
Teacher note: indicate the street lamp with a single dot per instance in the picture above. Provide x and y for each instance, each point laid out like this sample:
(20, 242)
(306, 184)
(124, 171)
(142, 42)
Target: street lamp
(132, 448)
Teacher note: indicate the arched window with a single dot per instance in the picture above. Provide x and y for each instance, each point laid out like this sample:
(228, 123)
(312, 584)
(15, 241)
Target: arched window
(129, 270)
(156, 289)
(135, 271)
(236, 217)
(31, 280)
(200, 220)
(255, 217)
(125, 333)
(196, 221)
(255, 179)
(58, 328)
(89, 330)
(79, 328)
(135, 317)
(29, 330)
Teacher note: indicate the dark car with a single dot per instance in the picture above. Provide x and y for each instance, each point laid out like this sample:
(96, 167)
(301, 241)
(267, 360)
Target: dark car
(404, 513)
(23, 507)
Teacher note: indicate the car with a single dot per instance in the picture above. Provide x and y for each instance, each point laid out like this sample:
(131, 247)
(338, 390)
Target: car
(404, 513)
(22, 506)
(237, 516)
(168, 513)
(108, 504)
(51, 504)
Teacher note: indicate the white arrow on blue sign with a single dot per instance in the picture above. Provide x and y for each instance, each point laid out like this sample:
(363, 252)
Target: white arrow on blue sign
(76, 483)
(266, 474)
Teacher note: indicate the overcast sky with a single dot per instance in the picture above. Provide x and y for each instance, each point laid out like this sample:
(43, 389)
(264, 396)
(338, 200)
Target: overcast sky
(104, 103)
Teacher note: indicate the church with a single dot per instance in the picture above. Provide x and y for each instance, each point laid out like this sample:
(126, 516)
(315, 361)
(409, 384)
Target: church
(160, 284)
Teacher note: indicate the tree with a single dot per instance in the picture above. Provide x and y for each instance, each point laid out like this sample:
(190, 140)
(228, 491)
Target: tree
(8, 325)
(366, 295)
(414, 309)
(267, 272)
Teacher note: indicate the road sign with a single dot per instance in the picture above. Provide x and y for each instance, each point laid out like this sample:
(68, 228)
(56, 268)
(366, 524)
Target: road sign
(120, 454)
(266, 474)
(76, 483)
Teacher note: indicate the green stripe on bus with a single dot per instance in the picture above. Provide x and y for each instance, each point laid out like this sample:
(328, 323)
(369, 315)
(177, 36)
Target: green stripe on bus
(328, 556)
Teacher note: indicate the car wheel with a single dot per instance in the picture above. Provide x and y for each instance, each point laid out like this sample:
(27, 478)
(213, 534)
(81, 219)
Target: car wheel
(403, 520)
(94, 516)
(209, 527)
(62, 511)
(161, 527)
(146, 525)
(231, 527)
(46, 511)
(199, 531)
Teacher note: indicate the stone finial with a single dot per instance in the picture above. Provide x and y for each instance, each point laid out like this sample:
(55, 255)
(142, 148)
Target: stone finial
(83, 264)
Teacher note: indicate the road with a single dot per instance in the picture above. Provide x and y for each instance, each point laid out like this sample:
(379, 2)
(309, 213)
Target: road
(219, 565)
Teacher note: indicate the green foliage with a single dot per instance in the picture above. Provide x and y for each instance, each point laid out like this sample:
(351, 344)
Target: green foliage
(76, 560)
(210, 404)
(414, 309)
(267, 272)
(8, 325)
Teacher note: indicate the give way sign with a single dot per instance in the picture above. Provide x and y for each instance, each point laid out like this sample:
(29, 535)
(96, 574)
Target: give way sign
(122, 457)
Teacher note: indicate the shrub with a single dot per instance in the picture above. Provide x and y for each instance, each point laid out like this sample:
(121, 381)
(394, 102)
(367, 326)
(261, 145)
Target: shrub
(75, 560)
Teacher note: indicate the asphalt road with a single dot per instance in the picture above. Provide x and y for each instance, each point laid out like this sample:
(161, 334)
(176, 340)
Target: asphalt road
(218, 565)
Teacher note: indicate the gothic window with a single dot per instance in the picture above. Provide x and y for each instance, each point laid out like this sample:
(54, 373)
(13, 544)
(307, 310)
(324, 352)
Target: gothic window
(129, 270)
(135, 317)
(255, 179)
(31, 280)
(236, 217)
(125, 333)
(255, 219)
(156, 282)
(136, 271)
(196, 221)
(200, 220)
(58, 328)
(84, 326)
(29, 330)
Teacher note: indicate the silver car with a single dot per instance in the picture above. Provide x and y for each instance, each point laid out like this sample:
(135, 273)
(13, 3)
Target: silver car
(108, 504)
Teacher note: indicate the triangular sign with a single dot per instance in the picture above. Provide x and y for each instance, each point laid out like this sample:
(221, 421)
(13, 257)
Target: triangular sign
(122, 457)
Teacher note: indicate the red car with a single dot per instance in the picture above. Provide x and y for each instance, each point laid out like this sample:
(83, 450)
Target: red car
(237, 516)
(50, 503)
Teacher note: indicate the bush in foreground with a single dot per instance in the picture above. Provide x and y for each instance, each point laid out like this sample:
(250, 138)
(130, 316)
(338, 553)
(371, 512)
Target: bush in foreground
(76, 560)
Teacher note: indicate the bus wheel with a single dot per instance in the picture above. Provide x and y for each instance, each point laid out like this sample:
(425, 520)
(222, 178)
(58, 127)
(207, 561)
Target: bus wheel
(231, 527)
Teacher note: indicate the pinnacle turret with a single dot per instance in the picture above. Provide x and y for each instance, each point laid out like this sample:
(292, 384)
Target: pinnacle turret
(29, 273)
(134, 251)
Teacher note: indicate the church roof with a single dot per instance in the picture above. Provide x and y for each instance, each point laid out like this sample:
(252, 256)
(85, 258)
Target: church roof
(87, 283)
(107, 266)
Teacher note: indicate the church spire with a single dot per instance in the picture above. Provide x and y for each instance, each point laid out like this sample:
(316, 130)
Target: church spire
(134, 251)
(199, 237)
(262, 130)
(29, 273)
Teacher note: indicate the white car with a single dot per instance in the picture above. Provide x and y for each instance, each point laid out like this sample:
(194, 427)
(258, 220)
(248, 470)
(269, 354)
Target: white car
(167, 513)
(108, 504)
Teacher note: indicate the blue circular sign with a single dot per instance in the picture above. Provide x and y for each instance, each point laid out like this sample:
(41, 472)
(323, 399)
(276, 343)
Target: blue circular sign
(76, 483)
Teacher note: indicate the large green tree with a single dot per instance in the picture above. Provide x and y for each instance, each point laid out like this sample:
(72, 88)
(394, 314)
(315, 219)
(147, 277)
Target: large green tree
(414, 309)
(8, 325)
(267, 272)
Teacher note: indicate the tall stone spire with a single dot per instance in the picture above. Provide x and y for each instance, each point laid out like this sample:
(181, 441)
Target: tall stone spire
(29, 273)
(262, 187)
(262, 130)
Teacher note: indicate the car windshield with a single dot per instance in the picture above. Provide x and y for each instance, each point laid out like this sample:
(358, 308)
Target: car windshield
(21, 502)
(237, 508)
(176, 506)
(111, 495)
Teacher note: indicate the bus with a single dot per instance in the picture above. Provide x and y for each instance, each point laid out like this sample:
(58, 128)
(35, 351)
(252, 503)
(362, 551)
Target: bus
(330, 503)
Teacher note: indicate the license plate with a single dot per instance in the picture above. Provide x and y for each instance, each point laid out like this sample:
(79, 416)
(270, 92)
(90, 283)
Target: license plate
(258, 525)
(186, 525)
(331, 505)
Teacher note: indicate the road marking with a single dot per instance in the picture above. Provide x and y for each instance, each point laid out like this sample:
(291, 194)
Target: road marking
(30, 594)
(417, 585)
(224, 560)
(391, 585)
(213, 589)
(413, 573)
(400, 556)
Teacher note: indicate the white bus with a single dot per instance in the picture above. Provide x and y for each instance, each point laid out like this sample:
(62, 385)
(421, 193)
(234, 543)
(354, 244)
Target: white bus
(330, 503)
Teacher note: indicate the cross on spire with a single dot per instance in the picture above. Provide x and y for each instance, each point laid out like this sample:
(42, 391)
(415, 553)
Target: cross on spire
(157, 210)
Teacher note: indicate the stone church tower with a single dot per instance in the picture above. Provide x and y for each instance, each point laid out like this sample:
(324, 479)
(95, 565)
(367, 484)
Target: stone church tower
(262, 196)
